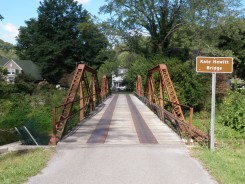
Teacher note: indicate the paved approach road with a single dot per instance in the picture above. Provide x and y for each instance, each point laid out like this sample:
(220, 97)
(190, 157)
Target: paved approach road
(112, 148)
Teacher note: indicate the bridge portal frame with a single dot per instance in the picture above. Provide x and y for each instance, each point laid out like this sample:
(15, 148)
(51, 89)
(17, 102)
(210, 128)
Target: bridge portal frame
(154, 97)
(84, 89)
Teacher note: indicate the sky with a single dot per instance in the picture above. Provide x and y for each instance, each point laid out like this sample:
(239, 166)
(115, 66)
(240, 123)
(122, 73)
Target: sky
(16, 12)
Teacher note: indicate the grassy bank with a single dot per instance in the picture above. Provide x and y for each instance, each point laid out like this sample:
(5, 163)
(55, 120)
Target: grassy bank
(226, 163)
(17, 167)
(33, 111)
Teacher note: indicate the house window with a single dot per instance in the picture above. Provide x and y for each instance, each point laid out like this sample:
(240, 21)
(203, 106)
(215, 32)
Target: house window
(11, 71)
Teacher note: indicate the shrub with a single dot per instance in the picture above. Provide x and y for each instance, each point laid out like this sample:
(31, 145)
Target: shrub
(16, 114)
(32, 111)
(232, 111)
(139, 67)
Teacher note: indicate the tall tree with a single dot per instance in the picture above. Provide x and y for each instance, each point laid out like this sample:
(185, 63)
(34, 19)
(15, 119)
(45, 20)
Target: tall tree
(95, 43)
(232, 37)
(160, 18)
(54, 40)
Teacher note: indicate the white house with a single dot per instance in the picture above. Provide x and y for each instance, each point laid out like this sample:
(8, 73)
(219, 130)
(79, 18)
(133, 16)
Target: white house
(117, 80)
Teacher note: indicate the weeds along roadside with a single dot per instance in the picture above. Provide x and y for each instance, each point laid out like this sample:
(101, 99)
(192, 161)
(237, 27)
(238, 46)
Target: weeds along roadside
(35, 110)
(16, 167)
(226, 163)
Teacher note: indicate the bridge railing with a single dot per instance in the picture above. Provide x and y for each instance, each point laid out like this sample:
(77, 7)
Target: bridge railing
(190, 109)
(104, 88)
(82, 98)
(159, 87)
(183, 128)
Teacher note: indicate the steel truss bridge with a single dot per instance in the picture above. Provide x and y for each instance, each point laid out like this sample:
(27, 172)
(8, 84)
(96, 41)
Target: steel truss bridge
(87, 96)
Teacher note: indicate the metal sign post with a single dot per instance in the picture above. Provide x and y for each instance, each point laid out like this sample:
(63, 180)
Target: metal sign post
(214, 65)
(212, 112)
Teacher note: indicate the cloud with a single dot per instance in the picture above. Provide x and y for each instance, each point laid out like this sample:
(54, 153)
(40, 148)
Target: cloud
(9, 31)
(10, 28)
(83, 1)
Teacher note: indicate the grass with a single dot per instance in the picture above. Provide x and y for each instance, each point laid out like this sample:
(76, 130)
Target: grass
(17, 167)
(226, 163)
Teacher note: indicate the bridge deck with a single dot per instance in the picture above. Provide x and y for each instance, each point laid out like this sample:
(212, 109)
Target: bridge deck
(117, 146)
(123, 123)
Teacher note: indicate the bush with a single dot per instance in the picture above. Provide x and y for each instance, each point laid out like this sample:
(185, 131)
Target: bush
(6, 90)
(139, 67)
(232, 111)
(32, 111)
(16, 114)
(24, 84)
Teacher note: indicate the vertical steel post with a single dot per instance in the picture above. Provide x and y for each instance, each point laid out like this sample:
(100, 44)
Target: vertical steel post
(94, 91)
(149, 89)
(53, 139)
(212, 112)
(91, 94)
(162, 99)
(161, 95)
(54, 121)
(152, 90)
(191, 117)
(81, 102)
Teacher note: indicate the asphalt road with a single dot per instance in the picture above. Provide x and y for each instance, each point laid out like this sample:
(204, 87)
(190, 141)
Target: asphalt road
(121, 157)
(122, 164)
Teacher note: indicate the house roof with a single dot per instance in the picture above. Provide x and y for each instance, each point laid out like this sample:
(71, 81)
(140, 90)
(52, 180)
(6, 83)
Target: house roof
(30, 68)
(3, 61)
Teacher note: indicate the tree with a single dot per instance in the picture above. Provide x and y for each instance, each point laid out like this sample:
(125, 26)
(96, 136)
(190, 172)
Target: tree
(232, 37)
(54, 40)
(160, 18)
(191, 89)
(94, 42)
(7, 50)
(3, 73)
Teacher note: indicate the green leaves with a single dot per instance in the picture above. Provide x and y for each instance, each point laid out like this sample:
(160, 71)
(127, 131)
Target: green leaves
(232, 111)
(161, 19)
(157, 19)
(94, 42)
(32, 111)
(232, 37)
(56, 42)
(191, 89)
